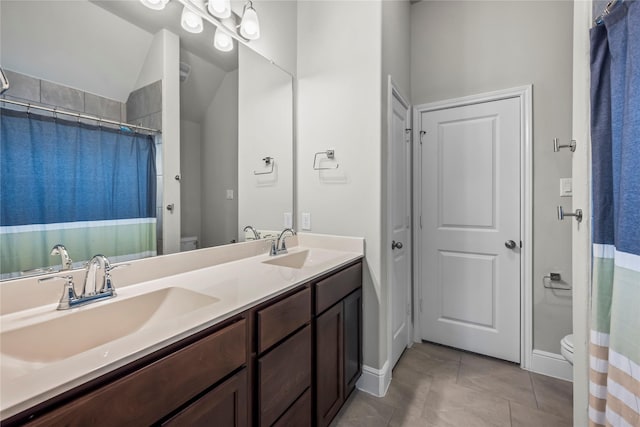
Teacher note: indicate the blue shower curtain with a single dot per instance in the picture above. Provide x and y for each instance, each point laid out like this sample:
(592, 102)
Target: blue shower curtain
(614, 351)
(88, 187)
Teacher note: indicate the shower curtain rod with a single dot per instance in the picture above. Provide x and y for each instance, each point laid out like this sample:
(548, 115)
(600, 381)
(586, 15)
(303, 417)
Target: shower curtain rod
(56, 111)
(607, 10)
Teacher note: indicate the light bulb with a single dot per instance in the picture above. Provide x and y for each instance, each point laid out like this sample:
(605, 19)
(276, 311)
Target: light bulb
(220, 8)
(250, 26)
(155, 4)
(191, 22)
(222, 41)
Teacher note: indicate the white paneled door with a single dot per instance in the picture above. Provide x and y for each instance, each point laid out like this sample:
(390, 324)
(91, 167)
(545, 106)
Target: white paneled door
(399, 225)
(471, 227)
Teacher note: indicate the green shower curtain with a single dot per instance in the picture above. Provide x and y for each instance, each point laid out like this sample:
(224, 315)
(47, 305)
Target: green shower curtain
(90, 188)
(614, 351)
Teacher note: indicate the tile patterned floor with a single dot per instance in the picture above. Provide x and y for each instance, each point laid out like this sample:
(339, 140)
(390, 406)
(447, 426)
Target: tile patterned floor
(435, 386)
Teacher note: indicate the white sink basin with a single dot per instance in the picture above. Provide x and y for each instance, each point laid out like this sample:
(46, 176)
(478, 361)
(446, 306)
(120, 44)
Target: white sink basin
(296, 260)
(303, 259)
(92, 326)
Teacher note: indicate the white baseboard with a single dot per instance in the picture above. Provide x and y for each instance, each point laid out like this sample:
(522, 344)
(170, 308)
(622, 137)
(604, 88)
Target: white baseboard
(375, 381)
(552, 365)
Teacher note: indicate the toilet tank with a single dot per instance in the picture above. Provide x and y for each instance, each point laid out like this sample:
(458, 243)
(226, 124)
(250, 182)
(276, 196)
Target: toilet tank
(188, 243)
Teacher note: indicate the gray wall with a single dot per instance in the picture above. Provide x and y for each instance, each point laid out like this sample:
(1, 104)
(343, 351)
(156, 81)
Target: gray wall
(191, 179)
(219, 165)
(461, 48)
(338, 107)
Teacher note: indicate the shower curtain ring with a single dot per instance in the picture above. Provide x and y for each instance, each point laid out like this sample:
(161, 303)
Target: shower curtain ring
(55, 113)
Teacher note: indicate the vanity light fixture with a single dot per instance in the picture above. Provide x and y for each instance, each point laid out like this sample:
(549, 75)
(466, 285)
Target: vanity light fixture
(219, 14)
(219, 8)
(190, 21)
(250, 26)
(155, 4)
(222, 41)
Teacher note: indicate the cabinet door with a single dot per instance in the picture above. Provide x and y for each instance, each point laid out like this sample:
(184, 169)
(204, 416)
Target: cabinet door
(283, 318)
(299, 415)
(149, 394)
(284, 374)
(329, 364)
(224, 406)
(352, 340)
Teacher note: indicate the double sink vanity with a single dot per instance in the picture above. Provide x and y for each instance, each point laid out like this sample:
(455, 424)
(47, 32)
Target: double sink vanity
(225, 336)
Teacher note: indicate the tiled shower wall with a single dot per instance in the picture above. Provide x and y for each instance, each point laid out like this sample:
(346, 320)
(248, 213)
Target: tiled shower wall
(29, 89)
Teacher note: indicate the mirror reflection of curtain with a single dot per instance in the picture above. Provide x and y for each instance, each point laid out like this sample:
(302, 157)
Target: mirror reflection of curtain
(615, 140)
(90, 188)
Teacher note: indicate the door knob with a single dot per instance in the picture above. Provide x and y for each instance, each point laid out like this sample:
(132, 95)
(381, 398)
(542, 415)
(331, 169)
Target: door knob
(510, 244)
(396, 245)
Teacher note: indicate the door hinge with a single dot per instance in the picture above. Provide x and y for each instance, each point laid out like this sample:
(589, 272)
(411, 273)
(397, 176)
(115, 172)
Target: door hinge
(421, 222)
(420, 305)
(520, 244)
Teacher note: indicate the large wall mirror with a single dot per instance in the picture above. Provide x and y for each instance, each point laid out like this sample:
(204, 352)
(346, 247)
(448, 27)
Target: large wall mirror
(235, 116)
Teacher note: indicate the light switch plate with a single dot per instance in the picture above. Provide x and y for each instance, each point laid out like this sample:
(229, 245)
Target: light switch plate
(288, 220)
(229, 194)
(566, 187)
(306, 221)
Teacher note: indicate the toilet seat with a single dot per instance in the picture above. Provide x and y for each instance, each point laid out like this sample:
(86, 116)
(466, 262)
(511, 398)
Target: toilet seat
(566, 348)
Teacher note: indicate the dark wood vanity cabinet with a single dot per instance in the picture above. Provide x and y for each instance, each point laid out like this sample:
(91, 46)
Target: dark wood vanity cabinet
(190, 378)
(290, 361)
(338, 340)
(282, 354)
(224, 406)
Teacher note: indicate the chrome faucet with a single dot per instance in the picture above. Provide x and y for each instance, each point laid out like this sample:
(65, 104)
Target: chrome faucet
(98, 265)
(279, 246)
(256, 235)
(67, 262)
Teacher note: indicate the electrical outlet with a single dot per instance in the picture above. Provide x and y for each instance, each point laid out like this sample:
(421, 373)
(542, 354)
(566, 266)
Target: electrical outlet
(566, 187)
(306, 221)
(229, 194)
(288, 220)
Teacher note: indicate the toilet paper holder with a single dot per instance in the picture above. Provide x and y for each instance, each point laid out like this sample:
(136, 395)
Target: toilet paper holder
(552, 279)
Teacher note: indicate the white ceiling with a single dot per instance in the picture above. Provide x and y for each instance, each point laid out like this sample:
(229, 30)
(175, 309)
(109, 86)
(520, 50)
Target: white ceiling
(73, 43)
(153, 21)
(208, 65)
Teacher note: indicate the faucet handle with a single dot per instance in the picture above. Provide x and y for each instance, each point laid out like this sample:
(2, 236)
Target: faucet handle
(116, 267)
(69, 293)
(107, 286)
(274, 249)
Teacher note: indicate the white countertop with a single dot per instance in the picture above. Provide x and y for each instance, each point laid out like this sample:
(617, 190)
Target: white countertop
(238, 285)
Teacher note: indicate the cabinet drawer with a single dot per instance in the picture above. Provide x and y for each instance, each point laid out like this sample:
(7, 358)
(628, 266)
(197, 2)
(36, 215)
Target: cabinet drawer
(282, 318)
(224, 406)
(299, 415)
(334, 288)
(283, 375)
(147, 395)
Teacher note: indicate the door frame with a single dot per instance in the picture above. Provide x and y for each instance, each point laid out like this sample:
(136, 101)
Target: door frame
(394, 91)
(524, 95)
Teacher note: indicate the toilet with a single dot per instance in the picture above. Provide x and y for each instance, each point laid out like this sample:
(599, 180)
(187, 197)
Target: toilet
(566, 348)
(188, 243)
